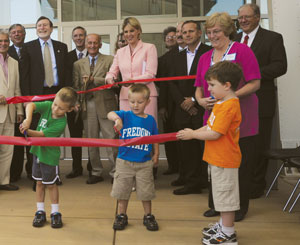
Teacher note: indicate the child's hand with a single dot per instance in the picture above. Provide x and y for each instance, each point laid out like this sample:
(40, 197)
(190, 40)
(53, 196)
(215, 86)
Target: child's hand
(186, 134)
(118, 124)
(24, 126)
(155, 160)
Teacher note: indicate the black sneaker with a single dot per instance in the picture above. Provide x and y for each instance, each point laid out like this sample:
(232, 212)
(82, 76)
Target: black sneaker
(211, 230)
(150, 222)
(56, 221)
(39, 219)
(121, 221)
(221, 238)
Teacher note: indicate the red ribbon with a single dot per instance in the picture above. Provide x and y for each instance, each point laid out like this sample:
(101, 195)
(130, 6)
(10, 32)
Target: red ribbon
(23, 99)
(86, 142)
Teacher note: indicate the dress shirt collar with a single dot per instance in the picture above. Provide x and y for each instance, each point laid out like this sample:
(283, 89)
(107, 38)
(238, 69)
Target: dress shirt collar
(195, 51)
(96, 58)
(49, 41)
(251, 36)
(83, 51)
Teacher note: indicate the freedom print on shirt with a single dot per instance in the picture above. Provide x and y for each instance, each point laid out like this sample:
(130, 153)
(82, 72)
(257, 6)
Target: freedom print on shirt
(135, 126)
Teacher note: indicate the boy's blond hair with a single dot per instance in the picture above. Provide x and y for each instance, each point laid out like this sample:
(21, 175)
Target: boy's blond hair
(68, 95)
(139, 88)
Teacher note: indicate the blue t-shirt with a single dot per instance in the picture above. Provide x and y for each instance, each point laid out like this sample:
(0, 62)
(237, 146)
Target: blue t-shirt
(135, 126)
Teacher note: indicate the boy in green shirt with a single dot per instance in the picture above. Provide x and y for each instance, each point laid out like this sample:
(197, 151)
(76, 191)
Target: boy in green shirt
(52, 123)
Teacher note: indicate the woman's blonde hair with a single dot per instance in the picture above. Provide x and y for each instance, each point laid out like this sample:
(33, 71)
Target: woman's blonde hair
(224, 20)
(133, 22)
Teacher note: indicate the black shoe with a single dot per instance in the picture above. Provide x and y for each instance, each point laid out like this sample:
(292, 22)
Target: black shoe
(73, 174)
(239, 215)
(39, 219)
(56, 221)
(9, 187)
(211, 213)
(150, 222)
(169, 172)
(185, 191)
(178, 182)
(94, 179)
(120, 222)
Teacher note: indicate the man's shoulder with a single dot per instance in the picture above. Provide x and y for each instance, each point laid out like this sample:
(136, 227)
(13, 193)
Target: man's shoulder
(32, 43)
(106, 57)
(268, 33)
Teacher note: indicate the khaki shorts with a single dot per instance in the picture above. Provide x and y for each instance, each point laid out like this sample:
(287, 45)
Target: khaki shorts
(129, 173)
(225, 188)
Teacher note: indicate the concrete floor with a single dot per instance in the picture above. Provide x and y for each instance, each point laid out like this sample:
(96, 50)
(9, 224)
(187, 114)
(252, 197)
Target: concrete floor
(88, 213)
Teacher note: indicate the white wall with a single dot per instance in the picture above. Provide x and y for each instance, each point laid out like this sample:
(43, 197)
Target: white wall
(286, 20)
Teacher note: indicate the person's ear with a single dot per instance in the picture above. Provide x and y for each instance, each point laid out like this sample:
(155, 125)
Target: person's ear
(227, 85)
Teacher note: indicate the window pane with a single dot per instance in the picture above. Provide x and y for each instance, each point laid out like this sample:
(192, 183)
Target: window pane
(148, 7)
(264, 6)
(194, 8)
(157, 39)
(27, 12)
(88, 10)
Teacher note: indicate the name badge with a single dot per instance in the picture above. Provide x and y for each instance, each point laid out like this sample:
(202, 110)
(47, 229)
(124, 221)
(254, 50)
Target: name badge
(230, 57)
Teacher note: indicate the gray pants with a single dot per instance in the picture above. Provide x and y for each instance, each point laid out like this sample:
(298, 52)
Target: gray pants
(93, 125)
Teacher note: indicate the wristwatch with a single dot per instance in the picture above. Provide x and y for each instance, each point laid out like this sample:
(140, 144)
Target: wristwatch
(193, 99)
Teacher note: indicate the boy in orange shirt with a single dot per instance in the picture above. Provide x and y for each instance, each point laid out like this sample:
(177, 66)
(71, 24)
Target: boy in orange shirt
(222, 152)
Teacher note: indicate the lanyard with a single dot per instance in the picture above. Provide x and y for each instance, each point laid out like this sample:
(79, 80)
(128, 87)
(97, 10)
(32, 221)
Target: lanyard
(224, 55)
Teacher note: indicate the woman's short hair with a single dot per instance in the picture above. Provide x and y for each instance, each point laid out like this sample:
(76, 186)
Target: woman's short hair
(224, 20)
(133, 22)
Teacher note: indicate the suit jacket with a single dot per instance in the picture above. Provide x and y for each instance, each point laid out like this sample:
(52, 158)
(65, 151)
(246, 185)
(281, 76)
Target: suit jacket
(105, 100)
(23, 68)
(270, 53)
(166, 69)
(142, 64)
(185, 88)
(10, 88)
(71, 59)
(37, 72)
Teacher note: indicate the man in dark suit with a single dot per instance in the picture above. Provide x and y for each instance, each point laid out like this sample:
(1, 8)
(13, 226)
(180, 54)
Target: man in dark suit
(188, 114)
(75, 123)
(58, 52)
(165, 110)
(269, 50)
(17, 35)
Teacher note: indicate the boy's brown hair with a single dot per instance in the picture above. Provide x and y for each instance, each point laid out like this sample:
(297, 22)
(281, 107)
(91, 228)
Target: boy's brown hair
(68, 95)
(225, 71)
(140, 88)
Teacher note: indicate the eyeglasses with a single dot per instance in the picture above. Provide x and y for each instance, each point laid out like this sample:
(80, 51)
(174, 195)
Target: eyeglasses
(122, 41)
(246, 17)
(214, 32)
(170, 37)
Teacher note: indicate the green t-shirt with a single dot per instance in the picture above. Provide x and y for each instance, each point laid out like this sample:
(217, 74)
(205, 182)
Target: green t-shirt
(51, 128)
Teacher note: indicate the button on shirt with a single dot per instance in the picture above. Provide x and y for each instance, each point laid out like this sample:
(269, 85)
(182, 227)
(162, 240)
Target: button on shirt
(251, 36)
(190, 57)
(54, 67)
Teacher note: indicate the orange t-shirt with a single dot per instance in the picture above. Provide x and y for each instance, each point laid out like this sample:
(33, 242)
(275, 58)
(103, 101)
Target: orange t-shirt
(225, 119)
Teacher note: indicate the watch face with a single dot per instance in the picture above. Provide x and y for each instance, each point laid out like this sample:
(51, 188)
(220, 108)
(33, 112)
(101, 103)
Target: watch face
(193, 99)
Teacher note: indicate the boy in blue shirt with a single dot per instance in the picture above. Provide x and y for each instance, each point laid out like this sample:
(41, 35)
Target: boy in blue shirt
(52, 123)
(134, 163)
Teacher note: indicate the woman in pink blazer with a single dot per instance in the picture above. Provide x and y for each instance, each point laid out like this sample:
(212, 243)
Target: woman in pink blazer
(135, 61)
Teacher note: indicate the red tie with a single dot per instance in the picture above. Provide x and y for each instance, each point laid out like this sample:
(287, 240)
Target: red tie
(246, 39)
